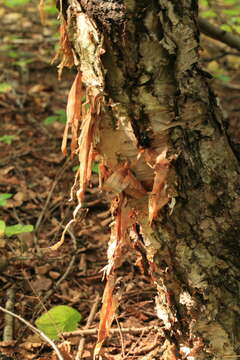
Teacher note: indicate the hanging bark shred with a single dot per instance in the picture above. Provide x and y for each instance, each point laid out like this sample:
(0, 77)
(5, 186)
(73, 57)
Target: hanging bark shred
(87, 141)
(73, 114)
(65, 49)
(110, 303)
(131, 202)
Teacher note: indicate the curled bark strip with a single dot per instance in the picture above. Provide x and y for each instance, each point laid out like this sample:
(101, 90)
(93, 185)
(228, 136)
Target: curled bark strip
(73, 114)
(109, 306)
(65, 49)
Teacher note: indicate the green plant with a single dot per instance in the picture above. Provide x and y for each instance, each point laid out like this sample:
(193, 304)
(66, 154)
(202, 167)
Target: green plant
(13, 3)
(224, 14)
(59, 319)
(59, 115)
(7, 139)
(5, 87)
(50, 9)
(94, 167)
(23, 63)
(3, 198)
(13, 229)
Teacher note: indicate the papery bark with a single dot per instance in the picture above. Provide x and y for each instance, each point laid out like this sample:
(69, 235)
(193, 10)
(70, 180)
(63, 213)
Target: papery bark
(141, 57)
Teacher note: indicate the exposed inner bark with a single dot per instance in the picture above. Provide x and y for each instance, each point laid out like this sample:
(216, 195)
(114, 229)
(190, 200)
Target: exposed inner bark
(163, 151)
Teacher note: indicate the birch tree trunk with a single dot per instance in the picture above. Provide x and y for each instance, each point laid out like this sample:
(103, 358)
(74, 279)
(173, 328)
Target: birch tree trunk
(156, 128)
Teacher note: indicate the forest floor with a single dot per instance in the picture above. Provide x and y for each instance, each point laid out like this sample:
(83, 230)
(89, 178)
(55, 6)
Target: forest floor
(39, 177)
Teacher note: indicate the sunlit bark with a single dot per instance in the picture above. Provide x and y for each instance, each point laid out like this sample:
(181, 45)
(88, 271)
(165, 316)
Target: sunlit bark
(164, 154)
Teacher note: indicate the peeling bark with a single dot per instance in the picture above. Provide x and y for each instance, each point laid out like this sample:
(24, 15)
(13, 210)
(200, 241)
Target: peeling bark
(165, 158)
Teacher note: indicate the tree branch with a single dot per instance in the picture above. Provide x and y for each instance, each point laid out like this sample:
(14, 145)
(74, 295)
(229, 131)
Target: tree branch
(35, 330)
(218, 34)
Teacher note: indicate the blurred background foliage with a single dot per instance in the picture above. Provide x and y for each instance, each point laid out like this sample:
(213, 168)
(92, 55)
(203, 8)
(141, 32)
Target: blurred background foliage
(26, 42)
(224, 13)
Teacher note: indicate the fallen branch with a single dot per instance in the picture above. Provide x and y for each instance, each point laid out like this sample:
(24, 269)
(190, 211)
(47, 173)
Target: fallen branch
(218, 34)
(221, 55)
(132, 330)
(89, 322)
(8, 326)
(35, 330)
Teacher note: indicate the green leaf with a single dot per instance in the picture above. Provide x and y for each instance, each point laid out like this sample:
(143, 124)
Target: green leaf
(203, 3)
(13, 54)
(3, 198)
(13, 3)
(60, 112)
(5, 88)
(75, 168)
(95, 168)
(50, 119)
(62, 117)
(59, 115)
(7, 139)
(2, 228)
(17, 229)
(223, 77)
(59, 319)
(226, 27)
(51, 10)
(208, 14)
(230, 2)
(23, 62)
(231, 12)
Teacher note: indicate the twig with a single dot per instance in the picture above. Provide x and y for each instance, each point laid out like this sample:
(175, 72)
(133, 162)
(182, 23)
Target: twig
(121, 337)
(134, 345)
(146, 349)
(39, 220)
(42, 213)
(89, 322)
(221, 55)
(104, 214)
(89, 204)
(83, 264)
(86, 332)
(63, 277)
(8, 328)
(107, 221)
(35, 330)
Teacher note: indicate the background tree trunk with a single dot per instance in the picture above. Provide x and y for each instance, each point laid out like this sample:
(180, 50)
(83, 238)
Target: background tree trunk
(164, 154)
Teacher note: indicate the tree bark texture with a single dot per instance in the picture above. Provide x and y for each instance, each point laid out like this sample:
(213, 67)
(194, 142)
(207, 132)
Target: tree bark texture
(160, 140)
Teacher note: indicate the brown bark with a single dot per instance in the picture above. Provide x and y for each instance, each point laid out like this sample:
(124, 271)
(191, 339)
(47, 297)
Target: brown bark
(161, 142)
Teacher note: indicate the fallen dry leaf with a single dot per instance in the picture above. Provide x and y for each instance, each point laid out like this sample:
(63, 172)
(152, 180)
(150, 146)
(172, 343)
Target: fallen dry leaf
(41, 283)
